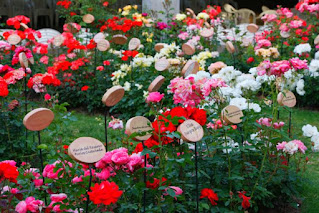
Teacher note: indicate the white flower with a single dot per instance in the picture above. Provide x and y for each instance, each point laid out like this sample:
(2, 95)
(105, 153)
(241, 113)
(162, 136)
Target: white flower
(248, 84)
(254, 107)
(139, 86)
(313, 68)
(201, 75)
(228, 74)
(229, 92)
(315, 148)
(241, 103)
(317, 55)
(145, 94)
(300, 87)
(309, 131)
(302, 48)
(127, 86)
(230, 143)
(180, 17)
(291, 148)
(315, 138)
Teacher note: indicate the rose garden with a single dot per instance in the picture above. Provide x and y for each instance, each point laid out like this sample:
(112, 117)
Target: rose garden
(123, 111)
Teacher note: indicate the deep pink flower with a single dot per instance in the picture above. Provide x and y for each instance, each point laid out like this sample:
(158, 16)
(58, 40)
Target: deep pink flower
(154, 97)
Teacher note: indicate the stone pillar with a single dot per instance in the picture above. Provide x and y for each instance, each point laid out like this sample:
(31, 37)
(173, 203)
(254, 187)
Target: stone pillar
(157, 5)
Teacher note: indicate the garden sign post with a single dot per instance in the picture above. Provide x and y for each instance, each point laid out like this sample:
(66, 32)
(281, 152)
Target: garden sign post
(25, 64)
(192, 132)
(89, 151)
(288, 99)
(111, 98)
(140, 124)
(37, 120)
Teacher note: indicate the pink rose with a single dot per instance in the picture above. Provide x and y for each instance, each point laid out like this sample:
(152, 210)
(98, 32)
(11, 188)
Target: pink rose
(77, 179)
(38, 182)
(136, 160)
(281, 146)
(100, 68)
(104, 174)
(154, 97)
(58, 197)
(47, 97)
(44, 59)
(120, 158)
(177, 190)
(21, 207)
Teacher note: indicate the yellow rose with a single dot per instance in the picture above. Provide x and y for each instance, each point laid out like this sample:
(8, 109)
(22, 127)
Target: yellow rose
(135, 7)
(127, 7)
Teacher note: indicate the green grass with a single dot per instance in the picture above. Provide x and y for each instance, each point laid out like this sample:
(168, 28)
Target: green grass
(93, 126)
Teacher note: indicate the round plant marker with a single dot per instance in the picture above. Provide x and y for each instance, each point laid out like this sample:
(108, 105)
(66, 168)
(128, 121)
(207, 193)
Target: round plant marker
(139, 124)
(207, 32)
(98, 37)
(103, 45)
(119, 39)
(31, 60)
(188, 49)
(287, 98)
(230, 47)
(159, 46)
(316, 41)
(58, 40)
(253, 28)
(23, 60)
(113, 96)
(191, 67)
(156, 83)
(232, 114)
(134, 44)
(284, 34)
(14, 39)
(86, 150)
(38, 119)
(88, 18)
(190, 12)
(207, 25)
(162, 64)
(24, 26)
(191, 131)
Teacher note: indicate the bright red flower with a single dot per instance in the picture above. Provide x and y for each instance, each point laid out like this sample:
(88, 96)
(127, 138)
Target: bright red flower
(105, 193)
(84, 88)
(9, 172)
(64, 3)
(72, 14)
(105, 4)
(199, 115)
(156, 183)
(15, 21)
(245, 203)
(250, 60)
(3, 88)
(210, 194)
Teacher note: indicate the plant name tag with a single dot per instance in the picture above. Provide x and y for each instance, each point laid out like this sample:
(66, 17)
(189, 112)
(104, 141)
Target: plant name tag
(191, 131)
(113, 96)
(232, 114)
(139, 124)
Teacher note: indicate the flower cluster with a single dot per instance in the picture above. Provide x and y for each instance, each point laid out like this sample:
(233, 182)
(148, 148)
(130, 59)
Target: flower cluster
(292, 147)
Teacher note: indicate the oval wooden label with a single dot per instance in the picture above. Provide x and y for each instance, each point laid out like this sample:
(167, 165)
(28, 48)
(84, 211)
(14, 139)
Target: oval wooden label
(23, 60)
(190, 12)
(14, 39)
(98, 37)
(287, 98)
(134, 44)
(232, 114)
(191, 67)
(86, 150)
(38, 119)
(253, 28)
(31, 60)
(119, 39)
(230, 47)
(103, 45)
(139, 124)
(284, 34)
(156, 84)
(159, 46)
(24, 26)
(316, 41)
(58, 40)
(162, 64)
(207, 32)
(191, 131)
(113, 96)
(88, 18)
(188, 49)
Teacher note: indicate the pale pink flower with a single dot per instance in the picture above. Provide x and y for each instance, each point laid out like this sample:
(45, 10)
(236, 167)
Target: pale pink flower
(299, 64)
(301, 146)
(284, 27)
(77, 179)
(183, 35)
(116, 123)
(100, 68)
(44, 59)
(269, 17)
(177, 190)
(279, 125)
(262, 43)
(120, 158)
(104, 174)
(281, 146)
(58, 197)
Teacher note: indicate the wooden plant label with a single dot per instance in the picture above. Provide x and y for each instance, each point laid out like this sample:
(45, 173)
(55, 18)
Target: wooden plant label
(31, 60)
(88, 18)
(139, 124)
(24, 26)
(38, 119)
(23, 60)
(113, 96)
(190, 12)
(86, 150)
(191, 67)
(287, 98)
(119, 39)
(207, 32)
(232, 114)
(14, 39)
(188, 49)
(316, 41)
(103, 45)
(158, 47)
(156, 83)
(98, 37)
(162, 64)
(230, 47)
(191, 131)
(253, 28)
(58, 40)
(284, 34)
(71, 28)
(134, 44)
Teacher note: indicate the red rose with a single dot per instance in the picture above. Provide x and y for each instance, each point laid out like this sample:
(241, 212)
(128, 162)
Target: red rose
(210, 194)
(72, 14)
(245, 203)
(179, 112)
(9, 172)
(199, 115)
(250, 60)
(84, 88)
(106, 193)
(156, 182)
(3, 88)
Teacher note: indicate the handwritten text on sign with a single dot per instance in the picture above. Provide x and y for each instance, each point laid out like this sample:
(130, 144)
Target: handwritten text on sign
(87, 150)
